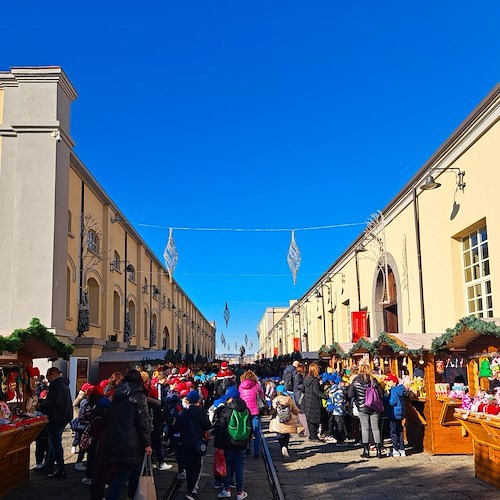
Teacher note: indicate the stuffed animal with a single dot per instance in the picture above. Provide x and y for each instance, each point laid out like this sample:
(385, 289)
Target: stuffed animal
(495, 366)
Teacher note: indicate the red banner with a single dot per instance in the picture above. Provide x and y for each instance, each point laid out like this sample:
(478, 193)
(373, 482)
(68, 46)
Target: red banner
(275, 351)
(359, 325)
(296, 344)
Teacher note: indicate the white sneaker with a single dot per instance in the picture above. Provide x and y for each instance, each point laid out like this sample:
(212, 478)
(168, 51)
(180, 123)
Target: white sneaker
(225, 494)
(402, 453)
(87, 481)
(330, 439)
(164, 466)
(73, 450)
(80, 466)
(241, 495)
(284, 452)
(395, 453)
(181, 476)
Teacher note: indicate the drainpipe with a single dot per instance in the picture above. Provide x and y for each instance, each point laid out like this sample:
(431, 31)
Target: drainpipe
(419, 258)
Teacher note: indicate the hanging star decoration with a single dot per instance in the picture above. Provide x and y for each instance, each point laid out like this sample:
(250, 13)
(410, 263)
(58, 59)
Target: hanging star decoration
(293, 258)
(227, 315)
(223, 339)
(251, 345)
(246, 339)
(170, 255)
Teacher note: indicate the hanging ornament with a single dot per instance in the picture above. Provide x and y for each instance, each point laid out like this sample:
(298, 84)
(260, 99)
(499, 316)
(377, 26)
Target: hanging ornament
(293, 258)
(421, 360)
(251, 345)
(227, 315)
(405, 362)
(170, 255)
(386, 361)
(223, 339)
(246, 339)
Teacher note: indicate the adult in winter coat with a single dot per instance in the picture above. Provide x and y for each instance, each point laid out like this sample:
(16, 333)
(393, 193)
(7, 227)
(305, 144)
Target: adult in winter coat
(128, 434)
(249, 388)
(368, 418)
(298, 385)
(234, 452)
(284, 429)
(312, 401)
(59, 410)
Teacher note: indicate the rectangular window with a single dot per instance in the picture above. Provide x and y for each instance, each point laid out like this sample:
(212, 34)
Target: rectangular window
(476, 262)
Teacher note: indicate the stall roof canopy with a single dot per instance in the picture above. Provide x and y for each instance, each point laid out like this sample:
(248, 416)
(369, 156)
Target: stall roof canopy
(465, 331)
(37, 340)
(131, 356)
(413, 341)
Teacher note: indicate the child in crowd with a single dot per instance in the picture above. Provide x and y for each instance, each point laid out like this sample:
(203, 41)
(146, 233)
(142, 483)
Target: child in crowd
(394, 404)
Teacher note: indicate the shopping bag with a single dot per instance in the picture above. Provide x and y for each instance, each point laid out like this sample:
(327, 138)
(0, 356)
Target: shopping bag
(219, 463)
(146, 488)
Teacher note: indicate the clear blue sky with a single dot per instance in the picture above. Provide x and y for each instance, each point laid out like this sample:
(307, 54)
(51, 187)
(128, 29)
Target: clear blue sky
(258, 114)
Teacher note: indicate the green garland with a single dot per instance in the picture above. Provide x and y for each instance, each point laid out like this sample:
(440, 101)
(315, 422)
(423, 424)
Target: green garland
(38, 332)
(470, 322)
(363, 343)
(394, 346)
(331, 350)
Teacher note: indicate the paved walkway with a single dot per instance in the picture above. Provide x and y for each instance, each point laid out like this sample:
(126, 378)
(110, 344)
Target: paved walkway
(326, 471)
(316, 471)
(41, 487)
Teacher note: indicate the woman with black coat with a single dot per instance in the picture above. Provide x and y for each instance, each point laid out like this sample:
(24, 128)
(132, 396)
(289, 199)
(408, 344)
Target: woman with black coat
(368, 418)
(312, 404)
(128, 434)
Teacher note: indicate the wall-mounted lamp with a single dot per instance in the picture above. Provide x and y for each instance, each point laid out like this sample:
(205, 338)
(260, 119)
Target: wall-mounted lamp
(318, 294)
(360, 248)
(430, 183)
(155, 289)
(116, 218)
(129, 268)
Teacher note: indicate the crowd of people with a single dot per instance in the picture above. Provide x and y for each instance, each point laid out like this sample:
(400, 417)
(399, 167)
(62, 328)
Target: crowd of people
(176, 411)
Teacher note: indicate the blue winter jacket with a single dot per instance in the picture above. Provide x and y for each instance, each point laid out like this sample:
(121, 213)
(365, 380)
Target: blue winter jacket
(395, 403)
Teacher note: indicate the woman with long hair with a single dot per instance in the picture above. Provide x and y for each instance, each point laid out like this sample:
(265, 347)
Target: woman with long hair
(368, 418)
(249, 388)
(312, 401)
(129, 437)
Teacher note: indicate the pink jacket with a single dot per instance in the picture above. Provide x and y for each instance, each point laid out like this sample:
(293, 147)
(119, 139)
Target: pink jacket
(248, 392)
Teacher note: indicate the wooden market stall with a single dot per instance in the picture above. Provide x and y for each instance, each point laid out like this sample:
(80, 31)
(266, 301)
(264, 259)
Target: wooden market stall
(451, 365)
(408, 362)
(20, 423)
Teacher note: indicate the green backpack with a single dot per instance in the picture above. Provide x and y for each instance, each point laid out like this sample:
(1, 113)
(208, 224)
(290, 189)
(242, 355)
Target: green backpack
(240, 427)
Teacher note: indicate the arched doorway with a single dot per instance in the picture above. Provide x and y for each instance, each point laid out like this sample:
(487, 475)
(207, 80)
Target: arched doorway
(165, 339)
(387, 295)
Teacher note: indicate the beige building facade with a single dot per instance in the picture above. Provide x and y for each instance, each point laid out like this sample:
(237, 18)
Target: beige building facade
(429, 258)
(64, 244)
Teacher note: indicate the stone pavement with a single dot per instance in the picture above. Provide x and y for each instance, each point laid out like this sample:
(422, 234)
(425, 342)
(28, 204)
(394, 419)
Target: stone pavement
(326, 471)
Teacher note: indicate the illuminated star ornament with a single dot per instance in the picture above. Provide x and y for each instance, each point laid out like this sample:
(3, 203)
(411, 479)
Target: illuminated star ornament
(227, 315)
(170, 255)
(293, 258)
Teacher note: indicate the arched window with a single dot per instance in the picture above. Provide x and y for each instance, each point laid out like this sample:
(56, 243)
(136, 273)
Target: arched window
(165, 339)
(116, 311)
(93, 288)
(68, 292)
(131, 313)
(131, 273)
(116, 261)
(93, 241)
(146, 323)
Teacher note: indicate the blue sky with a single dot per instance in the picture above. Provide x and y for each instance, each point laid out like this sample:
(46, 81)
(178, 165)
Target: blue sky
(262, 114)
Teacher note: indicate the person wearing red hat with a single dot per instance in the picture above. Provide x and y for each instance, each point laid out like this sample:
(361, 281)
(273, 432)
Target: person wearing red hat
(395, 410)
(184, 372)
(224, 379)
